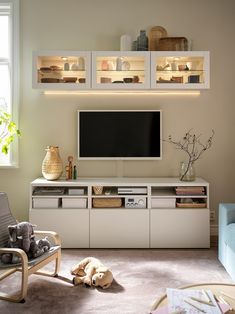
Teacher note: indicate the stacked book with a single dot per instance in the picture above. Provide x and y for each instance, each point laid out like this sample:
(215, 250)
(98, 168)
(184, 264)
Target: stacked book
(49, 191)
(190, 190)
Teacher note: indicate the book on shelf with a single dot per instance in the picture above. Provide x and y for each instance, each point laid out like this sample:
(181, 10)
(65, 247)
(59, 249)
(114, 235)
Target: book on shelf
(48, 191)
(190, 190)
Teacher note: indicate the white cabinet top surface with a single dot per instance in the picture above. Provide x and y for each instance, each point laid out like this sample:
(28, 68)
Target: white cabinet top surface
(154, 181)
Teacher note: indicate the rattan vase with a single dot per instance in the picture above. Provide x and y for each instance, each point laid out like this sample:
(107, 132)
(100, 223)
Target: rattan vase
(52, 167)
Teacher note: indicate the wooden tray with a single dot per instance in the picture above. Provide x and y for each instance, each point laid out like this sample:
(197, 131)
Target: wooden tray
(173, 44)
(191, 205)
(50, 80)
(107, 202)
(154, 35)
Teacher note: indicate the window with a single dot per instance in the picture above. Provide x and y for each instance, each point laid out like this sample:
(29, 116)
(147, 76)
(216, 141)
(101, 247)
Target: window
(9, 68)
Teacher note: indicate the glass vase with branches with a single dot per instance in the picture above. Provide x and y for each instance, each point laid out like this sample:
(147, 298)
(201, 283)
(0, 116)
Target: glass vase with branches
(192, 145)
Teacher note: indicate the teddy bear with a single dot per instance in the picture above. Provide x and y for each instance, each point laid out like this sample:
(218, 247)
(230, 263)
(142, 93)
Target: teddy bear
(92, 272)
(22, 236)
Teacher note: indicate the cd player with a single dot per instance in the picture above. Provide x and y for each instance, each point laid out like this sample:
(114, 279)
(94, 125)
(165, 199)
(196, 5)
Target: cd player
(135, 202)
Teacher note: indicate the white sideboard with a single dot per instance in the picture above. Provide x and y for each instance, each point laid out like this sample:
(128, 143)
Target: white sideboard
(156, 216)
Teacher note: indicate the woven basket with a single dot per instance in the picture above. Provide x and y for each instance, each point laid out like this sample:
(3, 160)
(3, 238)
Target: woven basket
(107, 202)
(191, 205)
(98, 189)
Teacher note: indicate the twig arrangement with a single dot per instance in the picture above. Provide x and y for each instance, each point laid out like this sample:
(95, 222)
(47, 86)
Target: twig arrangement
(191, 144)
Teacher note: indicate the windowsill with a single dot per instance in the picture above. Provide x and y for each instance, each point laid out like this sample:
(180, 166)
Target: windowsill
(9, 166)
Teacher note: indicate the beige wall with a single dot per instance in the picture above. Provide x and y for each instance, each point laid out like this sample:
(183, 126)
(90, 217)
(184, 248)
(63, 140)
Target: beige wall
(98, 25)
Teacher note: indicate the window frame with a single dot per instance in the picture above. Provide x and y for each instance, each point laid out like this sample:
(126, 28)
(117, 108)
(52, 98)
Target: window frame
(14, 50)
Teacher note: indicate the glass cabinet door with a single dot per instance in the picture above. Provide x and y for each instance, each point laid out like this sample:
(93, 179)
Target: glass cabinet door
(61, 70)
(120, 70)
(180, 70)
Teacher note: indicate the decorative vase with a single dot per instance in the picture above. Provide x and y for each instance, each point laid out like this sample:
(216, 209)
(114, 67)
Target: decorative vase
(134, 45)
(187, 171)
(81, 64)
(119, 62)
(142, 41)
(125, 42)
(52, 167)
(66, 66)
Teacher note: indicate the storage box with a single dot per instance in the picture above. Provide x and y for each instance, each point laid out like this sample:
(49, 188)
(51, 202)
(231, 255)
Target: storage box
(74, 191)
(163, 203)
(74, 202)
(45, 202)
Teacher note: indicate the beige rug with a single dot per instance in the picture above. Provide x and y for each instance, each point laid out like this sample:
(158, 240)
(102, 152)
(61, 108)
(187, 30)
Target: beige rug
(140, 277)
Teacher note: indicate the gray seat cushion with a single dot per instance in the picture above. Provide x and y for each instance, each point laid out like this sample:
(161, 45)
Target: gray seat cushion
(33, 261)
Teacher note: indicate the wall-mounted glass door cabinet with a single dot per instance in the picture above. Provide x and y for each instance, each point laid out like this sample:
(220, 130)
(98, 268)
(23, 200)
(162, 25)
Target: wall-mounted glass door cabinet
(180, 70)
(57, 70)
(120, 70)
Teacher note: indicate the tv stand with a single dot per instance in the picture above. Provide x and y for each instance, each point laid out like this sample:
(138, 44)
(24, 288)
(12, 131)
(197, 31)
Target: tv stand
(102, 213)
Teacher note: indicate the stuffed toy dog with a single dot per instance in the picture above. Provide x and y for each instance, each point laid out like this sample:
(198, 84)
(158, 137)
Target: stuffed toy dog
(91, 271)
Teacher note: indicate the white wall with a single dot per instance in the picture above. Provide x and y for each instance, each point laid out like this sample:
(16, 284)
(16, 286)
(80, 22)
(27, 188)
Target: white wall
(98, 25)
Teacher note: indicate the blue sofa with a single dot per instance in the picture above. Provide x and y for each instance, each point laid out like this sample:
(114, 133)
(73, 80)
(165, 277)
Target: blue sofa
(227, 237)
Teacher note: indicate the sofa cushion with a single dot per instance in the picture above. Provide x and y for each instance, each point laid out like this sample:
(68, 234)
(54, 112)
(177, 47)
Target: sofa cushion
(230, 236)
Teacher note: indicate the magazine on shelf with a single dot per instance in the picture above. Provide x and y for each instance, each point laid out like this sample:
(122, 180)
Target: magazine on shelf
(192, 301)
(184, 301)
(49, 191)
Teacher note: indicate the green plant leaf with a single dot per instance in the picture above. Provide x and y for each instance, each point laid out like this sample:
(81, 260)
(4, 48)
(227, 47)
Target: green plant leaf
(9, 131)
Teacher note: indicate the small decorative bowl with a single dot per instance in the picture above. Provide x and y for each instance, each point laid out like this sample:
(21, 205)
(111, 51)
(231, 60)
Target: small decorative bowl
(128, 79)
(82, 80)
(98, 190)
(70, 79)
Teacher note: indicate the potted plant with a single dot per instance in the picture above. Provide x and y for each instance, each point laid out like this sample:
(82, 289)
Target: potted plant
(193, 147)
(8, 130)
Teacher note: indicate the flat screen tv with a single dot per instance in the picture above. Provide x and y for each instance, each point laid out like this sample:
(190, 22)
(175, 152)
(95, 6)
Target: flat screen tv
(119, 134)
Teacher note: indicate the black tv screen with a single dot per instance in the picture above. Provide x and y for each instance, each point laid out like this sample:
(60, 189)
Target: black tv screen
(119, 134)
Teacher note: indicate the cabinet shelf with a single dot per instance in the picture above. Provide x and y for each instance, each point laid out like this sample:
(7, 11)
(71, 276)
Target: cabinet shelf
(118, 195)
(119, 72)
(59, 196)
(179, 196)
(61, 71)
(178, 71)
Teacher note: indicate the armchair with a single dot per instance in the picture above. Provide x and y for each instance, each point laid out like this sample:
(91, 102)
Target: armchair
(26, 267)
(227, 237)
